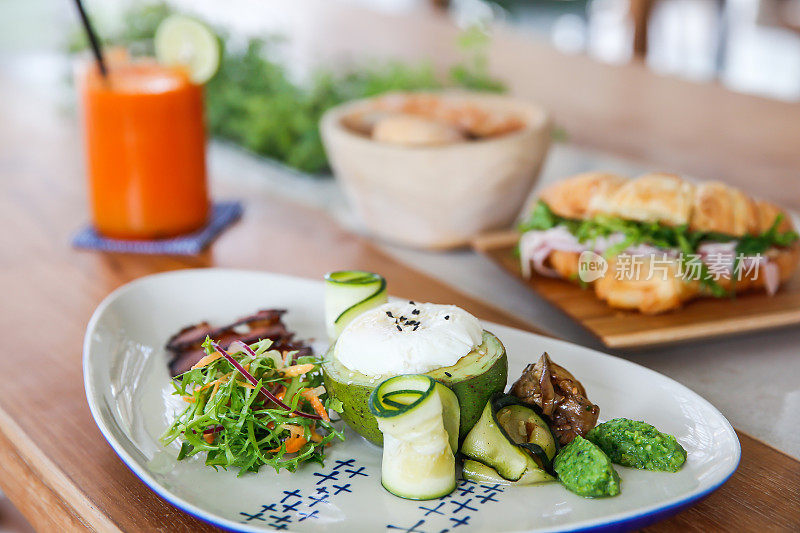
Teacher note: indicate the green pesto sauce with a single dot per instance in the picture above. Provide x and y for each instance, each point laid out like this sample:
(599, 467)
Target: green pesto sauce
(638, 445)
(585, 470)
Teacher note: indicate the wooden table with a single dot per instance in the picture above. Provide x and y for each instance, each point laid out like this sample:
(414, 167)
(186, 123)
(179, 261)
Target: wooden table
(55, 465)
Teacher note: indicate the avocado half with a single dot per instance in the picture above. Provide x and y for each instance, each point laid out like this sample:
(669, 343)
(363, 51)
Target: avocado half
(474, 379)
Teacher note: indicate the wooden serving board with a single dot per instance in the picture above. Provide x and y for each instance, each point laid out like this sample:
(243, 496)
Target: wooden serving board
(698, 319)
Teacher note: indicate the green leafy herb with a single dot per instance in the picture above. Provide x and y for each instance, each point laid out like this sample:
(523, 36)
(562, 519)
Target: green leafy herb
(228, 420)
(473, 73)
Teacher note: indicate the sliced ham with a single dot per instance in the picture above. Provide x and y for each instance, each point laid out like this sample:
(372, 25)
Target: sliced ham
(719, 256)
(535, 247)
(771, 276)
(713, 252)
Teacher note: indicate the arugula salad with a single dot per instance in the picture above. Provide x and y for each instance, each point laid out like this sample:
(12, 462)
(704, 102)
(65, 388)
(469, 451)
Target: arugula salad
(251, 406)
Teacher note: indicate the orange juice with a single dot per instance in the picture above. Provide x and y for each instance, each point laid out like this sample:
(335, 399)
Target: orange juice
(145, 149)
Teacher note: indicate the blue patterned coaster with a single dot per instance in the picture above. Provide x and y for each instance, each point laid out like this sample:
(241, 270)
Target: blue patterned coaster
(223, 214)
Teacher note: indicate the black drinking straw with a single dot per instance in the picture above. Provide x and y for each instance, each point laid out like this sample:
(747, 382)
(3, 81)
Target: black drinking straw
(93, 40)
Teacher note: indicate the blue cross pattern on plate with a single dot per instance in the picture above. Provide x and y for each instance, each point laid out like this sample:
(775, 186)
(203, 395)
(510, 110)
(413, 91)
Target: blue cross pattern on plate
(435, 516)
(452, 511)
(296, 507)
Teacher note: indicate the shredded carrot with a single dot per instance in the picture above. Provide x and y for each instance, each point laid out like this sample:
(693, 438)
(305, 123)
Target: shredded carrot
(219, 380)
(245, 384)
(293, 444)
(207, 360)
(213, 391)
(318, 391)
(208, 437)
(295, 441)
(294, 429)
(316, 404)
(188, 399)
(297, 370)
(316, 437)
(281, 393)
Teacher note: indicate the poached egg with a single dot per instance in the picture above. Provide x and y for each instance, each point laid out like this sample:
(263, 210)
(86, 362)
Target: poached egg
(407, 338)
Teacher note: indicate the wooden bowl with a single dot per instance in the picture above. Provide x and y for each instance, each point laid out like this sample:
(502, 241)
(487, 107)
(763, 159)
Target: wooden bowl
(438, 196)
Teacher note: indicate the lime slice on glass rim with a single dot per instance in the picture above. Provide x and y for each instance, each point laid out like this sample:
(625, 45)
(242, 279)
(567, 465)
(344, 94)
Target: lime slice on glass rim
(186, 42)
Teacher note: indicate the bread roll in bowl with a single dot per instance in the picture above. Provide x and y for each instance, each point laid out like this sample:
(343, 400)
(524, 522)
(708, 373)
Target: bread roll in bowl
(410, 130)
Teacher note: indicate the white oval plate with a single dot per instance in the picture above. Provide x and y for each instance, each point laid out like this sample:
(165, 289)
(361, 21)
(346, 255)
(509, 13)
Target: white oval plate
(128, 389)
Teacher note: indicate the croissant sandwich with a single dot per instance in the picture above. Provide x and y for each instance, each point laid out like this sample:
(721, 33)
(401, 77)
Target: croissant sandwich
(657, 241)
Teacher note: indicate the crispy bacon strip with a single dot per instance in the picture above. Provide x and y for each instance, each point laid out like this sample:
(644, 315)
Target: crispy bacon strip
(186, 345)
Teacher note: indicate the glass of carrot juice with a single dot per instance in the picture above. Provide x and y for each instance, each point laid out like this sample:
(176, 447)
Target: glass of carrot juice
(145, 149)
